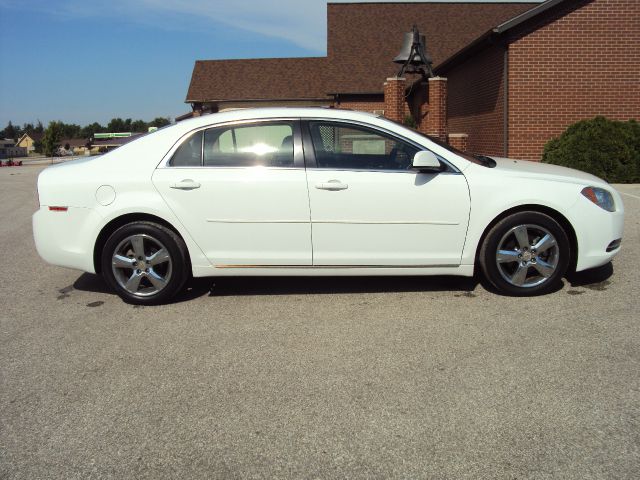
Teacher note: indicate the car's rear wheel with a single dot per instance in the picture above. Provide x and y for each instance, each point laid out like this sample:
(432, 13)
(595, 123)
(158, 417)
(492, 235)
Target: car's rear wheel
(145, 263)
(526, 253)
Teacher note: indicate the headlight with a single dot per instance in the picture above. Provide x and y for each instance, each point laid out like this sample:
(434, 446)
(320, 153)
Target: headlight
(600, 197)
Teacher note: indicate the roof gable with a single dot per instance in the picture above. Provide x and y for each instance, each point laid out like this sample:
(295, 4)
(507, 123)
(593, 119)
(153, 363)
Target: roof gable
(34, 136)
(503, 30)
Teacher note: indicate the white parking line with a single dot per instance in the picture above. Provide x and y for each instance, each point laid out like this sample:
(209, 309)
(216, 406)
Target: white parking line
(629, 195)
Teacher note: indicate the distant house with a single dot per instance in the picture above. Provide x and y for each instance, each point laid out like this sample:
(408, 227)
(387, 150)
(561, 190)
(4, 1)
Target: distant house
(28, 141)
(8, 149)
(74, 146)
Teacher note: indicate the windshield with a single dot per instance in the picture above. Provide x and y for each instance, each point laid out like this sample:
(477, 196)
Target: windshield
(477, 159)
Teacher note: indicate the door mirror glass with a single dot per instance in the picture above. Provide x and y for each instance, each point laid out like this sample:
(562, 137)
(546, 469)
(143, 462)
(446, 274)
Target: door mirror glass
(426, 161)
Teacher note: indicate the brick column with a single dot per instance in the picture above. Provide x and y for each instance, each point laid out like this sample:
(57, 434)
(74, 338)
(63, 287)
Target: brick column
(394, 101)
(437, 116)
(423, 120)
(459, 141)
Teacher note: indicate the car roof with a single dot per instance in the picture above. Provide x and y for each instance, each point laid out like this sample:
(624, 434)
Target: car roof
(277, 112)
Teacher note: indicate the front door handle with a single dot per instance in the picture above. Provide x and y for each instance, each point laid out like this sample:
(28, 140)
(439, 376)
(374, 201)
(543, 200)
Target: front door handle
(332, 185)
(186, 184)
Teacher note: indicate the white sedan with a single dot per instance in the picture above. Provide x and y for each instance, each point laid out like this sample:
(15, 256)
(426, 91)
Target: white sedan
(312, 191)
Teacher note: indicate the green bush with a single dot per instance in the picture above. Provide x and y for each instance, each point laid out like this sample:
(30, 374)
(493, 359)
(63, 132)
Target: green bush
(409, 121)
(606, 148)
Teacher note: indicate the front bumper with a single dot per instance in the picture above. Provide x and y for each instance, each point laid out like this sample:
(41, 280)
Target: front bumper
(596, 231)
(67, 238)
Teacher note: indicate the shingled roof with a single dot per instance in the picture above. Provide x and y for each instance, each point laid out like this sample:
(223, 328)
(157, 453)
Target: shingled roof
(264, 78)
(362, 40)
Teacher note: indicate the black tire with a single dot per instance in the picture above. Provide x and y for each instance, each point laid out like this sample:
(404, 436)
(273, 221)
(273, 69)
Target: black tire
(505, 272)
(170, 274)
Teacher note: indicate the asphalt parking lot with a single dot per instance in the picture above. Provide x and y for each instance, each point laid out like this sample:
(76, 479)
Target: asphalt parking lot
(315, 378)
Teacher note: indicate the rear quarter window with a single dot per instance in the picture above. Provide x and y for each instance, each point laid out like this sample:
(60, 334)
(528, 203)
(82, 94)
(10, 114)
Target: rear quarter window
(189, 153)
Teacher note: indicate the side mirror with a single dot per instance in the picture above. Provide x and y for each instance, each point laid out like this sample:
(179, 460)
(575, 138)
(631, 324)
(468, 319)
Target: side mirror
(427, 162)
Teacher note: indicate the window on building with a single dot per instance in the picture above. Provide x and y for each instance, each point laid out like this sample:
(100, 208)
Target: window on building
(346, 146)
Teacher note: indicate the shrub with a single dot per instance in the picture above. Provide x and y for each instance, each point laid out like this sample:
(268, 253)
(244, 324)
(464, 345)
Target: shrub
(606, 148)
(410, 122)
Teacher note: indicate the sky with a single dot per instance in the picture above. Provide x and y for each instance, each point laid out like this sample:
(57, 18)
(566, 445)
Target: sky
(82, 61)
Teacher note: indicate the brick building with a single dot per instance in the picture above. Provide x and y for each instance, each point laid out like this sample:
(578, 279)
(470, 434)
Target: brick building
(511, 75)
(527, 79)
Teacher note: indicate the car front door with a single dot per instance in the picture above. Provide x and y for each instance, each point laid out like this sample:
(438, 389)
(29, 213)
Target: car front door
(369, 208)
(240, 190)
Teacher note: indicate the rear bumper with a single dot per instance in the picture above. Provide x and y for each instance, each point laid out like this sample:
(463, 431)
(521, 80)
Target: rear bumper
(66, 238)
(596, 229)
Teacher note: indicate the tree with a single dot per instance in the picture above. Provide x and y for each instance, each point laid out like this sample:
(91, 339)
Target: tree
(10, 131)
(139, 126)
(116, 125)
(159, 122)
(39, 128)
(18, 132)
(70, 130)
(90, 130)
(52, 136)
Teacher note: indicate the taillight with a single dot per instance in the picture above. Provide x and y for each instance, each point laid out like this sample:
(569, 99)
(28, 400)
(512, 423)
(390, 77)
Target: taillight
(58, 209)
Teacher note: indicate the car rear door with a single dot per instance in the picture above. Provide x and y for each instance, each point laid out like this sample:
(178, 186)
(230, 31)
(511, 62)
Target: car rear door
(241, 192)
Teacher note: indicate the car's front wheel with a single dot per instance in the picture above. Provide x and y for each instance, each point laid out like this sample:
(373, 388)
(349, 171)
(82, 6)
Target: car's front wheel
(145, 263)
(526, 253)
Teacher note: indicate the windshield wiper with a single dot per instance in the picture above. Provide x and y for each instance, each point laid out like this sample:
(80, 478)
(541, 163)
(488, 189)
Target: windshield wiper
(486, 161)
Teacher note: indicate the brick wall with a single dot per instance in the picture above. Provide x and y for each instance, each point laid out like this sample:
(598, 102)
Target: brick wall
(459, 141)
(361, 106)
(476, 101)
(436, 119)
(395, 103)
(571, 67)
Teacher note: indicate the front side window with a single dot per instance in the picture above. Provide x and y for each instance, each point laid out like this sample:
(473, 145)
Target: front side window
(344, 146)
(269, 145)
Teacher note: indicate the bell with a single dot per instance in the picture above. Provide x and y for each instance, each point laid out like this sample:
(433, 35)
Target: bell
(416, 43)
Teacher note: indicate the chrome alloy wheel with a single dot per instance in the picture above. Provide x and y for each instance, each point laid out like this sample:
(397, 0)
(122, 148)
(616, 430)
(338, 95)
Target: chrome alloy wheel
(141, 265)
(527, 255)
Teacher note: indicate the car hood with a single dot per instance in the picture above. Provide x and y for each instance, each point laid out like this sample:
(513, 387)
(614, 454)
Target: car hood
(546, 171)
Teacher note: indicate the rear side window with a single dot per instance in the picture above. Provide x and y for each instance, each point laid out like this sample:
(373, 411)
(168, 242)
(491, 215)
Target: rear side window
(189, 154)
(269, 145)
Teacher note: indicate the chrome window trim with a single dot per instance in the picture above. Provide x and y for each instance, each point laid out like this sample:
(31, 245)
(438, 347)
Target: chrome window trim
(370, 170)
(230, 168)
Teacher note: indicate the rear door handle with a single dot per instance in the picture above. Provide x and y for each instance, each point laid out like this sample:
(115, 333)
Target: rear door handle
(186, 184)
(332, 185)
